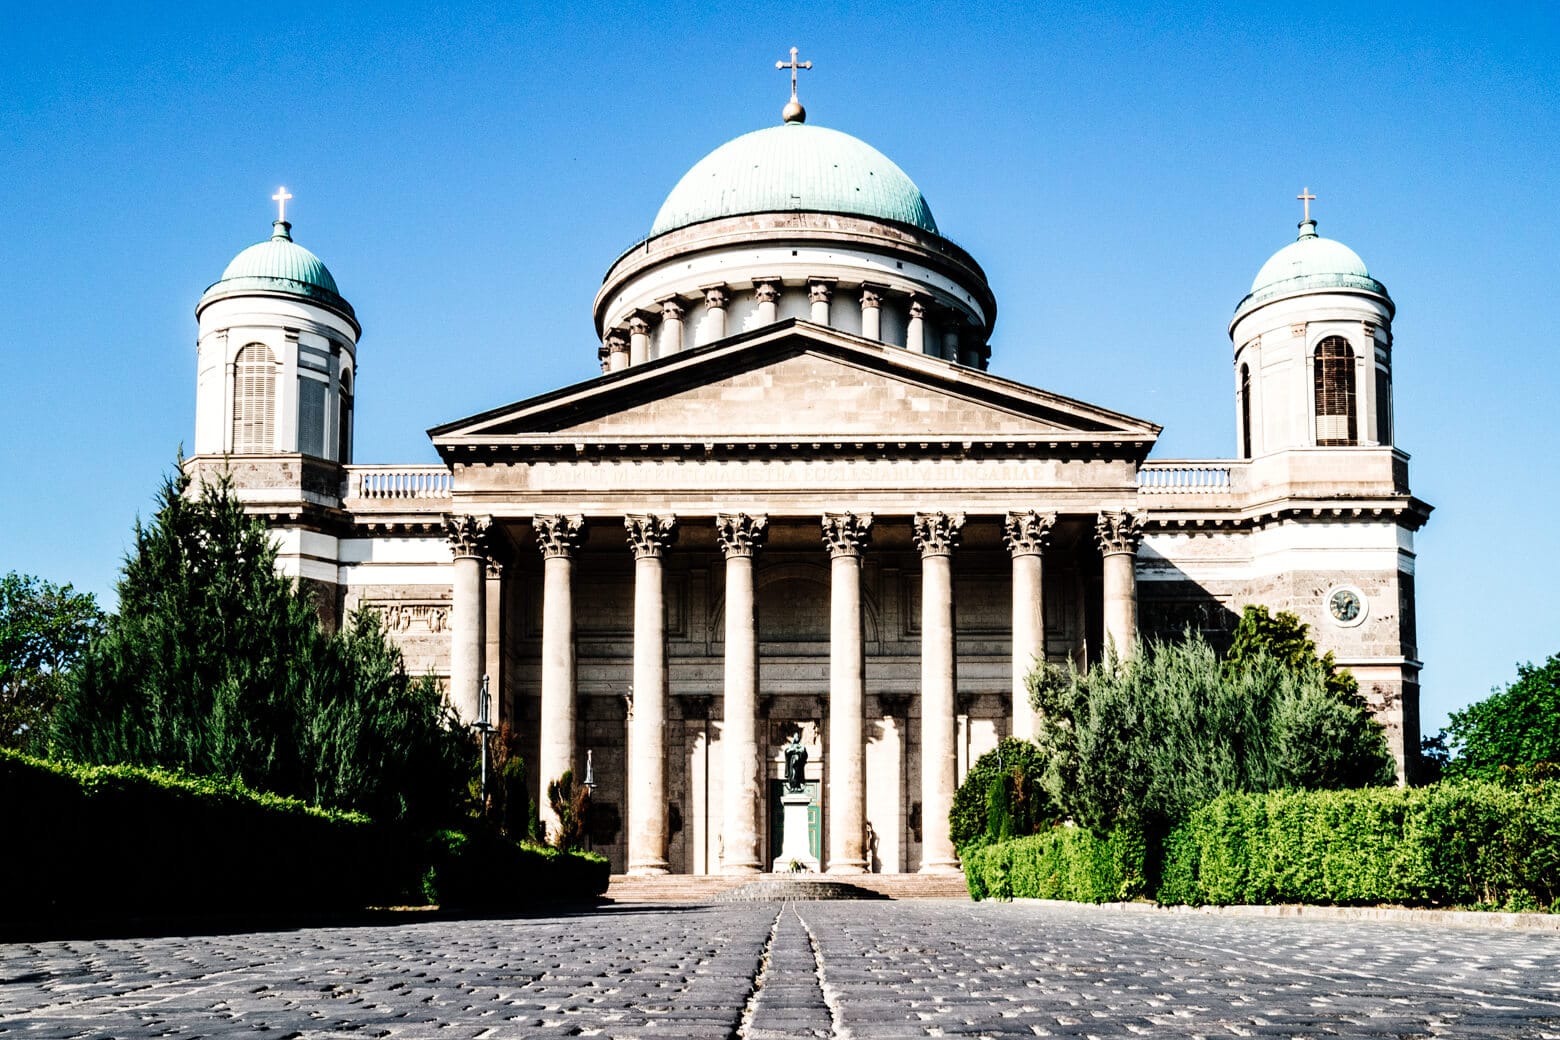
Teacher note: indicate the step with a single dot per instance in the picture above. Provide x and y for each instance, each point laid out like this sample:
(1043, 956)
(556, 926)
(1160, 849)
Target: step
(702, 888)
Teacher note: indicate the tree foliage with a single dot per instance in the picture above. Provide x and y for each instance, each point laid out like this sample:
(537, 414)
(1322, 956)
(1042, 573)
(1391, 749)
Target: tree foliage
(1002, 796)
(1147, 739)
(44, 630)
(1514, 732)
(216, 665)
(570, 803)
(1285, 638)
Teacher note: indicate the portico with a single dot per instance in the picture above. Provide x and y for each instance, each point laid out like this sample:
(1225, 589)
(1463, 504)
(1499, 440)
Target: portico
(713, 587)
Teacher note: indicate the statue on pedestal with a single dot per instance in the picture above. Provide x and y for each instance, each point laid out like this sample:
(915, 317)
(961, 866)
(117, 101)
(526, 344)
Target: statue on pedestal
(795, 764)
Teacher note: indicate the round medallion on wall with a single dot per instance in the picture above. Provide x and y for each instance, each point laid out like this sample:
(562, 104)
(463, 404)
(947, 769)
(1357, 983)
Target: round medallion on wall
(1346, 605)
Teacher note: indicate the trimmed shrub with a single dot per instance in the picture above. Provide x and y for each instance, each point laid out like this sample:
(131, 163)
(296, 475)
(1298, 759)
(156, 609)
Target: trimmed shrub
(483, 869)
(1062, 863)
(1465, 844)
(1001, 796)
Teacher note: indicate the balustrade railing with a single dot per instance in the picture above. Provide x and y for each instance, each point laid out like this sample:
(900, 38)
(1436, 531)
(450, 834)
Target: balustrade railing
(398, 483)
(1184, 478)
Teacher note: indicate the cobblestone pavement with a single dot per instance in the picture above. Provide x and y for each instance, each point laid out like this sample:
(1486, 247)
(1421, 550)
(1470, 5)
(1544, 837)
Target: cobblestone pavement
(765, 971)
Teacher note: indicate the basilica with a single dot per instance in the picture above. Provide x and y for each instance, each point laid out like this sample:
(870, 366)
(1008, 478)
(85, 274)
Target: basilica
(798, 505)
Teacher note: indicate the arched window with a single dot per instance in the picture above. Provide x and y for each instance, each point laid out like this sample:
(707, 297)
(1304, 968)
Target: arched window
(254, 399)
(1245, 411)
(344, 418)
(1334, 379)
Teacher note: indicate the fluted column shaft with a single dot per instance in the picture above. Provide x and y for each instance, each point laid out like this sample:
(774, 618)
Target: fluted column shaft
(1119, 534)
(557, 537)
(1027, 536)
(468, 637)
(936, 534)
(647, 831)
(846, 535)
(740, 536)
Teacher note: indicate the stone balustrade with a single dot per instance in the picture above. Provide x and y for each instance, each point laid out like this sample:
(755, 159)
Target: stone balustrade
(402, 485)
(1180, 478)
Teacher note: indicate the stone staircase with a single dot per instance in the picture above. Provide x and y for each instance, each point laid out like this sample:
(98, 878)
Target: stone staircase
(707, 888)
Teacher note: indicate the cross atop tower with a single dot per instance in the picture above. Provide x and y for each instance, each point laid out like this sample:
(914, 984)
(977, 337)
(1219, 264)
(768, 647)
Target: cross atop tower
(280, 198)
(1306, 198)
(793, 65)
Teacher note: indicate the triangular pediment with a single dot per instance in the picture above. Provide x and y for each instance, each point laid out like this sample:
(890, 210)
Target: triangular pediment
(797, 381)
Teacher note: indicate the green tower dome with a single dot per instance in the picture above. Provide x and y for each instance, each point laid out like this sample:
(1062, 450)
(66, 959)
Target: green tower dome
(1308, 263)
(280, 265)
(794, 166)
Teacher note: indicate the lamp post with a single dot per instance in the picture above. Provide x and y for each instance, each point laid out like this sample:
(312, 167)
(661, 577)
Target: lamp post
(590, 788)
(484, 726)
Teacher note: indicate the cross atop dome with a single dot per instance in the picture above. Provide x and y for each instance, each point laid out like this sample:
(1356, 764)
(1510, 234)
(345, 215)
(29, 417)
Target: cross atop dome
(281, 229)
(1307, 225)
(793, 111)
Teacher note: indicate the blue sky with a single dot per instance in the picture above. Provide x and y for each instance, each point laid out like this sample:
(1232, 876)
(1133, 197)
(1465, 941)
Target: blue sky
(1120, 171)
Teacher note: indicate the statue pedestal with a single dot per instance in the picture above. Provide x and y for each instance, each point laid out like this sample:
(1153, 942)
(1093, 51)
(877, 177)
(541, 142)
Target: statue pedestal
(793, 834)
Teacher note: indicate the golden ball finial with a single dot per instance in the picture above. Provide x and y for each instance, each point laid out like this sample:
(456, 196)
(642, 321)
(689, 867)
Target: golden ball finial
(793, 112)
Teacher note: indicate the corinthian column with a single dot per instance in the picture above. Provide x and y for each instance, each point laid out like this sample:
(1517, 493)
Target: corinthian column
(846, 535)
(638, 340)
(915, 331)
(740, 538)
(558, 538)
(616, 346)
(819, 292)
(1027, 536)
(649, 537)
(1119, 534)
(715, 299)
(936, 534)
(671, 327)
(468, 537)
(871, 301)
(767, 292)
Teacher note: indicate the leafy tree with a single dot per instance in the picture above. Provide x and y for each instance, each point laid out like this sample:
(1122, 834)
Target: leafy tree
(216, 665)
(1284, 638)
(1002, 795)
(1147, 739)
(1512, 734)
(44, 630)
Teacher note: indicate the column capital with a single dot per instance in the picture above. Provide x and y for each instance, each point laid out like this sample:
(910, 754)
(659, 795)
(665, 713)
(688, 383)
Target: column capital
(820, 290)
(847, 534)
(638, 326)
(649, 536)
(604, 355)
(741, 534)
(871, 296)
(1119, 532)
(468, 535)
(495, 568)
(716, 296)
(937, 534)
(617, 342)
(767, 290)
(558, 535)
(917, 307)
(1028, 533)
(672, 308)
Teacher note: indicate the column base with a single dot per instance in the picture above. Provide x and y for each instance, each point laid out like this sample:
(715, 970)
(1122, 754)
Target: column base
(847, 867)
(741, 868)
(941, 867)
(649, 869)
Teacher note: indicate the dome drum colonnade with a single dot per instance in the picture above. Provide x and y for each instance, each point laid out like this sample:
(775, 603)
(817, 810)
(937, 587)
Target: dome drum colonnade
(846, 537)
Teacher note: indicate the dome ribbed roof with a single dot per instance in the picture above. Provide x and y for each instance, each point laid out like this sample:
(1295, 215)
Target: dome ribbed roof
(794, 167)
(281, 265)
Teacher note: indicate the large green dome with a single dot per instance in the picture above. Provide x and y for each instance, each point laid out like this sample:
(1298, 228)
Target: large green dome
(794, 166)
(1312, 262)
(280, 265)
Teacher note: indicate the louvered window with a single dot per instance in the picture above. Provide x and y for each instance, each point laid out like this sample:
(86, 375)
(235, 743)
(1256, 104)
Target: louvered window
(254, 399)
(312, 397)
(1334, 379)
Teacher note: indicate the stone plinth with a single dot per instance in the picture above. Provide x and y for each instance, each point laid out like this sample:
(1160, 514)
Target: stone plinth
(793, 833)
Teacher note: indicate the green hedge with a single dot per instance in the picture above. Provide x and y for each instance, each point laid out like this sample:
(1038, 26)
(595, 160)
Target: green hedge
(490, 871)
(1063, 863)
(1452, 844)
(84, 842)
